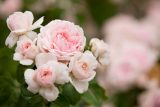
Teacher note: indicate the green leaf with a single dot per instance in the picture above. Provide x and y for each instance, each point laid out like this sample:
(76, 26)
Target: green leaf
(127, 98)
(25, 92)
(20, 72)
(70, 94)
(35, 99)
(95, 95)
(9, 92)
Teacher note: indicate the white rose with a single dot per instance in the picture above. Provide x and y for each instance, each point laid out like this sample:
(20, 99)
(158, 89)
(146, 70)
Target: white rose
(26, 51)
(43, 79)
(20, 23)
(100, 50)
(82, 67)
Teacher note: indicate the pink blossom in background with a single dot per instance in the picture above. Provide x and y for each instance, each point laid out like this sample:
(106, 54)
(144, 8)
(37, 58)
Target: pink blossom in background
(150, 98)
(46, 4)
(127, 63)
(7, 7)
(152, 14)
(62, 38)
(108, 105)
(123, 28)
(119, 28)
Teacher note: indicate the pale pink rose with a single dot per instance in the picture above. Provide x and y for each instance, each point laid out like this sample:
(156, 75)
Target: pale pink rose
(150, 98)
(7, 7)
(43, 79)
(82, 67)
(20, 23)
(45, 76)
(100, 50)
(62, 38)
(25, 51)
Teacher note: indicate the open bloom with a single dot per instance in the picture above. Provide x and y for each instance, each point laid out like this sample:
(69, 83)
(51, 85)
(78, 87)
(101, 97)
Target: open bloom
(62, 38)
(100, 50)
(26, 51)
(20, 23)
(48, 73)
(82, 67)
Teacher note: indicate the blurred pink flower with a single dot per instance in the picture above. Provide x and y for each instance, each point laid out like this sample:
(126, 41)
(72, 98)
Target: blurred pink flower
(127, 63)
(7, 7)
(153, 15)
(126, 28)
(37, 6)
(108, 105)
(150, 98)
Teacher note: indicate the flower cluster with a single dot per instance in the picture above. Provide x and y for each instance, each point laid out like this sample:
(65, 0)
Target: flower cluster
(134, 49)
(58, 53)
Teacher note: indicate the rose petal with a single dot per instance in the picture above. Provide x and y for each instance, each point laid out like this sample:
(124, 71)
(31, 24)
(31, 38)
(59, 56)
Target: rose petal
(29, 17)
(62, 74)
(32, 35)
(38, 23)
(43, 58)
(50, 94)
(80, 86)
(17, 56)
(11, 40)
(29, 78)
(26, 62)
(92, 75)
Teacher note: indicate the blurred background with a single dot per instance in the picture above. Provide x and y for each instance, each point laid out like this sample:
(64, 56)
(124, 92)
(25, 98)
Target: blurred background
(130, 27)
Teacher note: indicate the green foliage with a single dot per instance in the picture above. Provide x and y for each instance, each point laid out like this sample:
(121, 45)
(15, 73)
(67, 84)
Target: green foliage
(127, 98)
(95, 95)
(101, 10)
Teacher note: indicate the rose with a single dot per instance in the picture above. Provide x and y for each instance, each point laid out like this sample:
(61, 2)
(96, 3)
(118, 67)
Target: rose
(100, 50)
(45, 76)
(20, 23)
(48, 73)
(62, 38)
(82, 67)
(26, 51)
